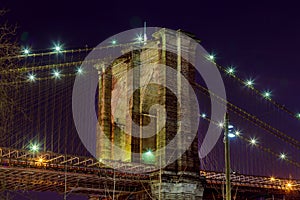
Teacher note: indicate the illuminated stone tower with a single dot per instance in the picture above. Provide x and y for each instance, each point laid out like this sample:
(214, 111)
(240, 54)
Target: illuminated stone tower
(179, 179)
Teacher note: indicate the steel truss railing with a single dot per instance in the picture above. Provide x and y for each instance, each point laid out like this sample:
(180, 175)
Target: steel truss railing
(252, 181)
(42, 171)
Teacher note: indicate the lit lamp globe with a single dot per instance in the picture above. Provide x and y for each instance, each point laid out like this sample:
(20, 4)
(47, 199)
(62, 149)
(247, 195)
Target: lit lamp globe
(231, 133)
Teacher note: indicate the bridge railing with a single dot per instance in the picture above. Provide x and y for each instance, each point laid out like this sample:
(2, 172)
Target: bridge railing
(252, 181)
(22, 157)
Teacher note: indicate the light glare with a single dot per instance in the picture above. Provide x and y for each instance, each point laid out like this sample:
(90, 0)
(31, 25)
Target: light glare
(149, 157)
(249, 83)
(56, 74)
(57, 48)
(253, 141)
(26, 51)
(34, 147)
(113, 42)
(221, 124)
(139, 38)
(31, 77)
(230, 70)
(231, 135)
(282, 156)
(267, 94)
(79, 70)
(211, 57)
(149, 152)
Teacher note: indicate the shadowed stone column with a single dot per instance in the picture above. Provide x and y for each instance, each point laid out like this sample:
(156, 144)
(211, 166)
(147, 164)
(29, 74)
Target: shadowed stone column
(180, 179)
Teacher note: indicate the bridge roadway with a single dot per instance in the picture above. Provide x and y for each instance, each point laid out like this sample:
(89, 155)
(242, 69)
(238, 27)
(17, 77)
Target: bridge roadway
(47, 171)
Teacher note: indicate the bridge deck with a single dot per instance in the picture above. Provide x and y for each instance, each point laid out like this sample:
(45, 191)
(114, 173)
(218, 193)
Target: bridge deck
(46, 171)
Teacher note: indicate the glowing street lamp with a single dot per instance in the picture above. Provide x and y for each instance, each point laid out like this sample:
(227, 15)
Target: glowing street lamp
(139, 38)
(230, 71)
(289, 185)
(237, 133)
(267, 94)
(249, 83)
(231, 133)
(31, 77)
(253, 141)
(40, 161)
(203, 115)
(114, 42)
(26, 51)
(34, 147)
(79, 70)
(282, 156)
(211, 57)
(220, 124)
(56, 74)
(57, 48)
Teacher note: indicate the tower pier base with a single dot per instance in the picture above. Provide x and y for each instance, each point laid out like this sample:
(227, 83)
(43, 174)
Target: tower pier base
(93, 198)
(172, 186)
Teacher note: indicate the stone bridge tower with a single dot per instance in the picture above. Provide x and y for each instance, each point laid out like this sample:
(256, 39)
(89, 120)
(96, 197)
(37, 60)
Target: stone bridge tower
(179, 179)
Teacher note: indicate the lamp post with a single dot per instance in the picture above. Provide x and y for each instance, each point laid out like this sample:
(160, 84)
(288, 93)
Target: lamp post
(227, 157)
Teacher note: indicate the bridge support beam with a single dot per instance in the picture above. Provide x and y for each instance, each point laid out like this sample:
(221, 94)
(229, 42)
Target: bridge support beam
(173, 186)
